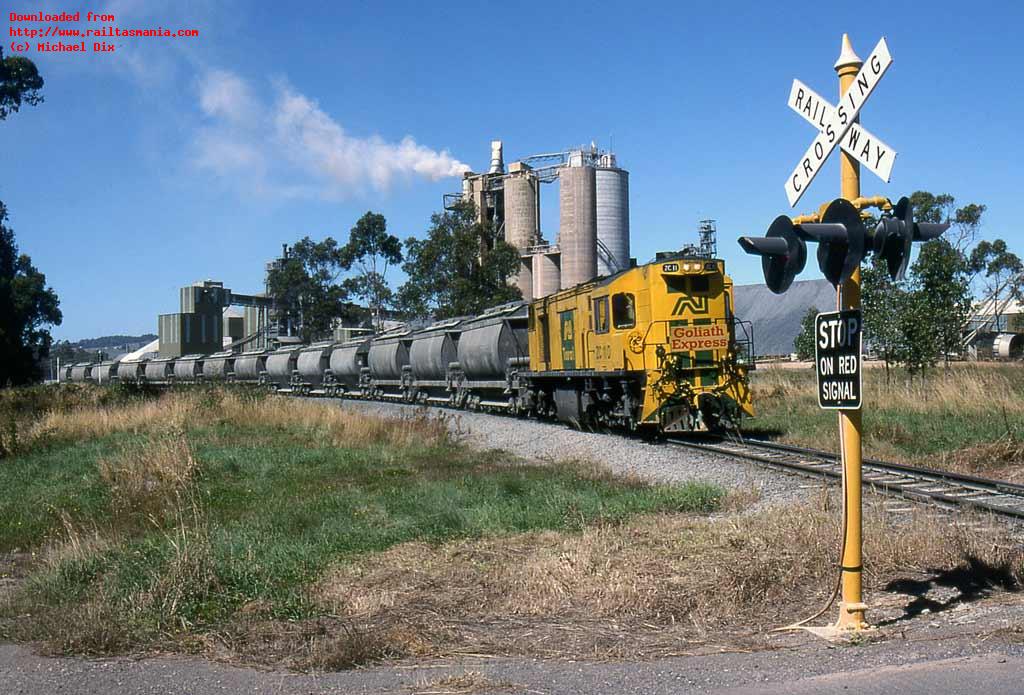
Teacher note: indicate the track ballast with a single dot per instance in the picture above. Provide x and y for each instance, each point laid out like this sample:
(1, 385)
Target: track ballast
(952, 491)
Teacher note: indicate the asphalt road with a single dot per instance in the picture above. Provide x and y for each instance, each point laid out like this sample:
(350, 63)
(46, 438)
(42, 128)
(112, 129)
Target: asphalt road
(907, 668)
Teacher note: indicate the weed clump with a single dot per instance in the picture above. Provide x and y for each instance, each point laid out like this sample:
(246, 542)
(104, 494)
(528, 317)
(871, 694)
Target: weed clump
(148, 478)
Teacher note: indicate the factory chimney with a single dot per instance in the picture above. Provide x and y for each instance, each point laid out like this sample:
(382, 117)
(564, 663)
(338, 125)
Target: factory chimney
(497, 163)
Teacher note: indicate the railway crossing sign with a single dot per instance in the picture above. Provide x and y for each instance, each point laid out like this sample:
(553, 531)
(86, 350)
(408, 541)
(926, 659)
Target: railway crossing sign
(838, 336)
(863, 146)
(834, 124)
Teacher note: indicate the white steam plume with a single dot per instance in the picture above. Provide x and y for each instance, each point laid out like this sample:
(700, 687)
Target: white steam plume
(243, 135)
(313, 135)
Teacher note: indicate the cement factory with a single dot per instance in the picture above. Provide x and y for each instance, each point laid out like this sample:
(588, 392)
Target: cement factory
(593, 235)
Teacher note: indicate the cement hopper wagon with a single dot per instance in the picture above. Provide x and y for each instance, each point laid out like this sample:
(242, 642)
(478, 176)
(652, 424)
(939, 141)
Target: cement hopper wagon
(280, 366)
(131, 372)
(388, 360)
(218, 366)
(490, 348)
(251, 366)
(311, 365)
(188, 368)
(432, 355)
(160, 370)
(349, 366)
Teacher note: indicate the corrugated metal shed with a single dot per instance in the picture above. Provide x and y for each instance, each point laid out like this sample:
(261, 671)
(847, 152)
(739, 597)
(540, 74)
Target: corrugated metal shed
(776, 317)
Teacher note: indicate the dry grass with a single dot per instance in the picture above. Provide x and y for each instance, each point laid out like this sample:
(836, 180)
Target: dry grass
(969, 418)
(177, 410)
(111, 619)
(1000, 459)
(150, 477)
(459, 683)
(336, 425)
(642, 588)
(968, 388)
(170, 412)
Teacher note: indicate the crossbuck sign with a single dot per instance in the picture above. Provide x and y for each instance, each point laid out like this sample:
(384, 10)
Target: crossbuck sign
(836, 126)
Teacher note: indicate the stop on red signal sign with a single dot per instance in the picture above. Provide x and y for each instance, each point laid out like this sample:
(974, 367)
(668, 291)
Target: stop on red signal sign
(838, 337)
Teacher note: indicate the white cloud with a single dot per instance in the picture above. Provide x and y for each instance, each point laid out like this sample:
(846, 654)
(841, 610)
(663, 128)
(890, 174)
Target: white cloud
(223, 155)
(223, 94)
(311, 151)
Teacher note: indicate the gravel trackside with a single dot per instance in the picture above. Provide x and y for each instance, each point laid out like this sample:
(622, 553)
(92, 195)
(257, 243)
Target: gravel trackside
(543, 441)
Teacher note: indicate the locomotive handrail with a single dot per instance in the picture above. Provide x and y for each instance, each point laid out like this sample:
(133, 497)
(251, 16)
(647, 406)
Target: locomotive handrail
(585, 336)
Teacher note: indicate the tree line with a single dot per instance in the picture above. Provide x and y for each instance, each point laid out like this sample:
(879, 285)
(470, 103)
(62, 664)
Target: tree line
(27, 305)
(918, 321)
(460, 267)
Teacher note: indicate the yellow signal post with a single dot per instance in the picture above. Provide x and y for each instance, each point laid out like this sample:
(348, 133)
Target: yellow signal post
(851, 608)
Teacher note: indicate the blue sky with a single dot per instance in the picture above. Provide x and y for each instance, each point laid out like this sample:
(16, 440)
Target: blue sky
(168, 161)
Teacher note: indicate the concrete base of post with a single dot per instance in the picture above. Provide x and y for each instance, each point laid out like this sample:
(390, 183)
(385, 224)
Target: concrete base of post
(851, 617)
(834, 633)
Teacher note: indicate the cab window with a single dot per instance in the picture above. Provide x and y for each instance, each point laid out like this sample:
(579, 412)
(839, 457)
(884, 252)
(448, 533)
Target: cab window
(676, 284)
(700, 284)
(601, 315)
(623, 310)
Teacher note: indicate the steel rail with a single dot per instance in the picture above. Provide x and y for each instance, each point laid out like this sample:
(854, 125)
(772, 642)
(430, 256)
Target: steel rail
(940, 488)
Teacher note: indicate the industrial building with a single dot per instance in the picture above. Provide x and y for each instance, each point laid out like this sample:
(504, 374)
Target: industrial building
(995, 329)
(593, 235)
(208, 321)
(775, 318)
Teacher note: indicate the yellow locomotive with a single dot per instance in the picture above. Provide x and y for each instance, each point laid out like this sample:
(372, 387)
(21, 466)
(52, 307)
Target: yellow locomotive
(651, 347)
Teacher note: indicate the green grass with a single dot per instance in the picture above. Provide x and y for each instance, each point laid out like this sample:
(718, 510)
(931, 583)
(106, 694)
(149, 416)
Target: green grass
(948, 419)
(266, 512)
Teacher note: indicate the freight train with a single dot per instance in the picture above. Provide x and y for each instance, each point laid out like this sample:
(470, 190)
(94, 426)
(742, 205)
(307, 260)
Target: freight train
(654, 347)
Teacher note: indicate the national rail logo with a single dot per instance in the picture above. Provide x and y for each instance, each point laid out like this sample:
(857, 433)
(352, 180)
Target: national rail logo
(696, 305)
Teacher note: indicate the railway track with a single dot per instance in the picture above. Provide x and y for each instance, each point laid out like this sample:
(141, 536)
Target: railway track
(951, 491)
(943, 489)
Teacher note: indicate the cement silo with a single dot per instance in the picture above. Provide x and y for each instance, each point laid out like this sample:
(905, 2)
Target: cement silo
(546, 273)
(522, 205)
(524, 279)
(522, 230)
(577, 237)
(612, 186)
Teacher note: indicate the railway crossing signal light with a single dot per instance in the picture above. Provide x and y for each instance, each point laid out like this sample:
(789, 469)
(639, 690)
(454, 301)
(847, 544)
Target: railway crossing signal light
(783, 253)
(840, 236)
(842, 240)
(894, 235)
